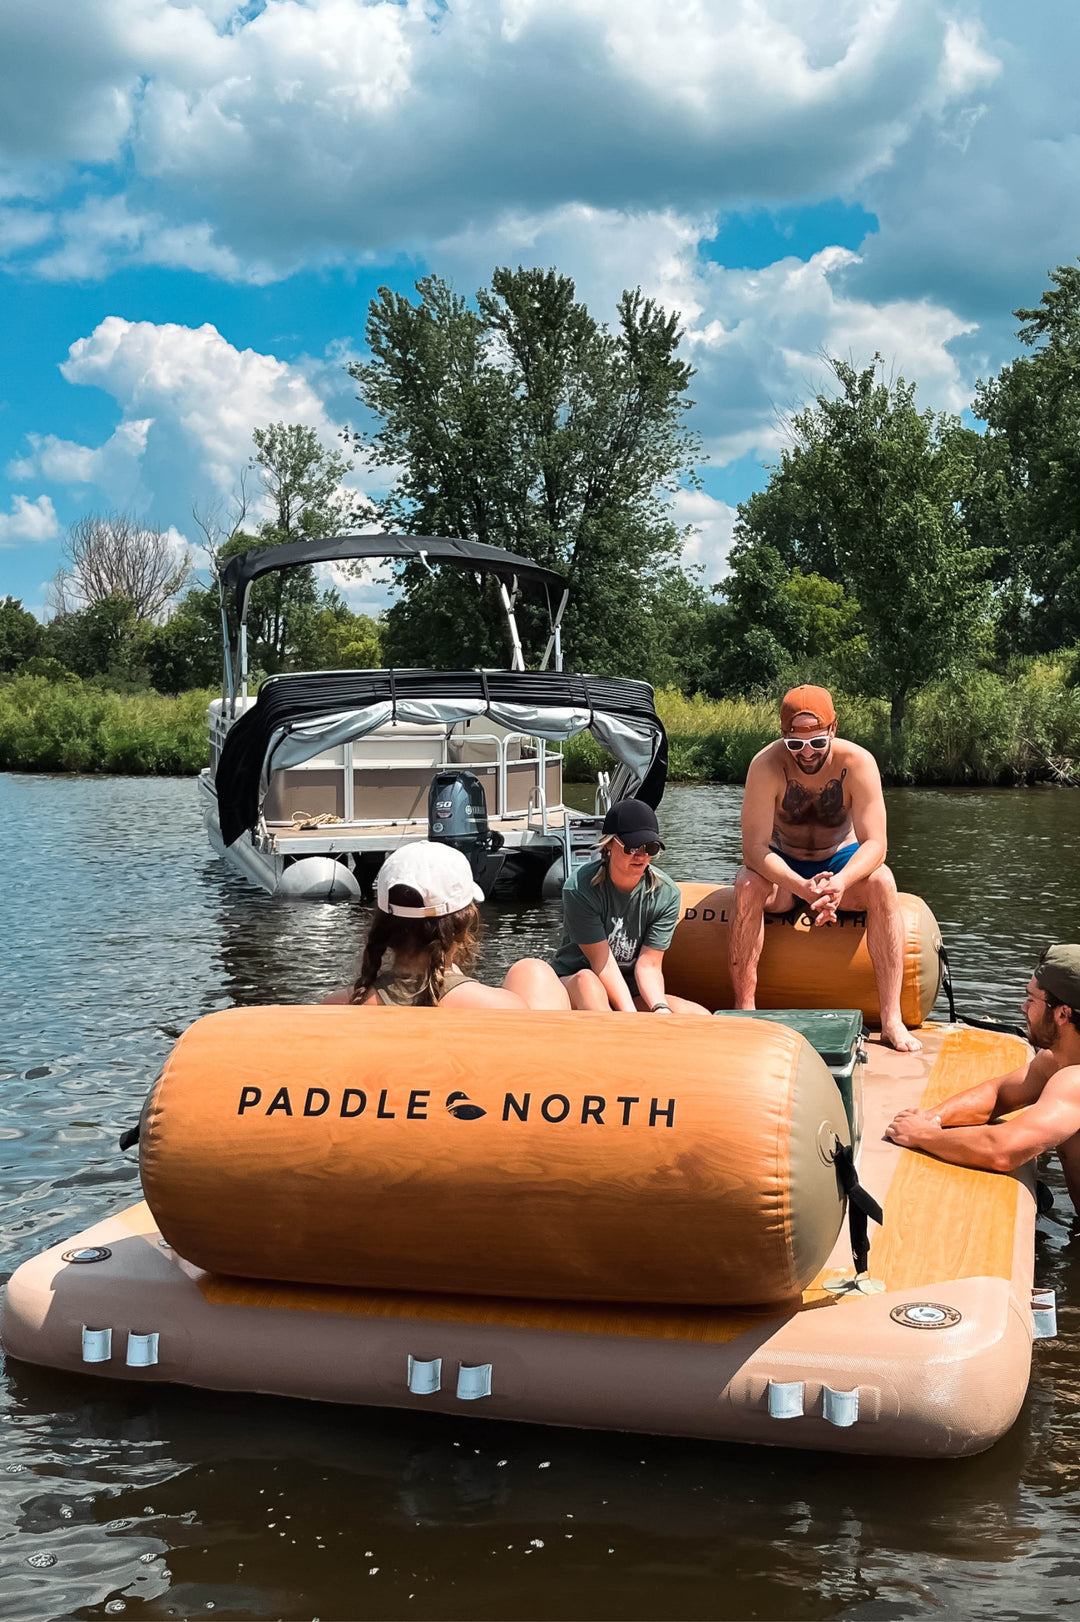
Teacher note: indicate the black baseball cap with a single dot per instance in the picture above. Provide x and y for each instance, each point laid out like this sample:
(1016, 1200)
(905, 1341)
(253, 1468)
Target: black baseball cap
(633, 822)
(1058, 972)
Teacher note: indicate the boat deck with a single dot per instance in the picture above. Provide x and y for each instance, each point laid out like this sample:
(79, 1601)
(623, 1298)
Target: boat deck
(332, 837)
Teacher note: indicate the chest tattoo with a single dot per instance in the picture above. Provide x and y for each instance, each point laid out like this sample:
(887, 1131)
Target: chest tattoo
(826, 807)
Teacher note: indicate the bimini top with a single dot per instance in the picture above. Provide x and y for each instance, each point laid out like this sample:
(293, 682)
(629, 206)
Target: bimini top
(246, 567)
(296, 717)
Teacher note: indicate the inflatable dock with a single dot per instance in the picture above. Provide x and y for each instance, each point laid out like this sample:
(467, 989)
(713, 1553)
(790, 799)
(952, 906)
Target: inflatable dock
(574, 1219)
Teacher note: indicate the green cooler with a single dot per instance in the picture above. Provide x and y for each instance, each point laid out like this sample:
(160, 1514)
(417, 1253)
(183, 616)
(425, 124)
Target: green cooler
(835, 1033)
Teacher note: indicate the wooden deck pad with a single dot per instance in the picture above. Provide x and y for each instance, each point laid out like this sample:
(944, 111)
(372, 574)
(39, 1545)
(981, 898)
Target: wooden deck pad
(944, 1222)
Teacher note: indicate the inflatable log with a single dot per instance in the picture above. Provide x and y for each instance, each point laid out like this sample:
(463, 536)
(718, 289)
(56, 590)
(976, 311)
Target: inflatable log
(802, 966)
(568, 1156)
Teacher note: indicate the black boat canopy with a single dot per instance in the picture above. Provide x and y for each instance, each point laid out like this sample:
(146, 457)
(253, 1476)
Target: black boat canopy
(245, 567)
(296, 717)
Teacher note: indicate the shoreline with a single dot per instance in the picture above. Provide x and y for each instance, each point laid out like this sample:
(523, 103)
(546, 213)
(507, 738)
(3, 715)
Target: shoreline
(982, 730)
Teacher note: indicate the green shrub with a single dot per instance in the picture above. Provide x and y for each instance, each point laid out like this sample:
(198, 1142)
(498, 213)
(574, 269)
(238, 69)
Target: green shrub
(980, 728)
(70, 726)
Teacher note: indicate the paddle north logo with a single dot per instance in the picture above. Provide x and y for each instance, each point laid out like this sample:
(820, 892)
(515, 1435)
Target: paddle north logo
(349, 1103)
(462, 1108)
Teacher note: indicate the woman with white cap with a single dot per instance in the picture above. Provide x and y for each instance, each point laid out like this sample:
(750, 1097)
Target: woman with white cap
(424, 940)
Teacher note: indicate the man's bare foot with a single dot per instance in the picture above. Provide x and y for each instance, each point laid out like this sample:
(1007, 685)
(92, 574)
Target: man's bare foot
(896, 1035)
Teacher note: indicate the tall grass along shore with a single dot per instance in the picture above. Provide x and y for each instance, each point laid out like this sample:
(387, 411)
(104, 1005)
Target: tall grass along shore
(981, 728)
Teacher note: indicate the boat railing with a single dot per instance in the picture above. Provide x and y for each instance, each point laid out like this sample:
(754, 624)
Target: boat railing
(537, 803)
(219, 719)
(505, 762)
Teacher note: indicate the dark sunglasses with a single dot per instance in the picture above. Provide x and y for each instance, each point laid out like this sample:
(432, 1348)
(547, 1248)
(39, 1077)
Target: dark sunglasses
(797, 745)
(651, 847)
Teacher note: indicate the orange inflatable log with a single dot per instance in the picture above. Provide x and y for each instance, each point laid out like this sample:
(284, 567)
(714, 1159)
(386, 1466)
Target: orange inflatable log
(605, 1157)
(802, 966)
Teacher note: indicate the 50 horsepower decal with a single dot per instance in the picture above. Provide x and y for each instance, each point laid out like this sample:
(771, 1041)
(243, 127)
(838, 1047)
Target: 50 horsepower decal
(349, 1102)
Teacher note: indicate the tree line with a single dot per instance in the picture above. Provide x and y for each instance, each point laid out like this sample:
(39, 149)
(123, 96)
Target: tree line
(892, 546)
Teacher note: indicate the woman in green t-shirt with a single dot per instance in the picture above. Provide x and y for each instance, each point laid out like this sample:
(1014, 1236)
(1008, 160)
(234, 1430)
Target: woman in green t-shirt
(619, 915)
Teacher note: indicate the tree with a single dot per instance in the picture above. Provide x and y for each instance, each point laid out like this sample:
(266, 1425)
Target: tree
(527, 424)
(185, 652)
(1028, 500)
(21, 635)
(106, 639)
(115, 555)
(302, 480)
(870, 496)
(338, 639)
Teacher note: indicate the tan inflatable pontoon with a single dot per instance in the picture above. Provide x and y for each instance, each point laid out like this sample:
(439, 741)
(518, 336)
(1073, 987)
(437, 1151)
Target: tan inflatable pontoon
(802, 966)
(935, 1363)
(561, 1156)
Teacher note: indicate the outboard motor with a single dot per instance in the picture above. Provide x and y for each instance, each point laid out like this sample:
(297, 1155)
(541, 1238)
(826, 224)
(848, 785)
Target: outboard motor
(457, 815)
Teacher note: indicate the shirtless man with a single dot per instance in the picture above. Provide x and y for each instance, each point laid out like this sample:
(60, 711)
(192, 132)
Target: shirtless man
(957, 1131)
(813, 825)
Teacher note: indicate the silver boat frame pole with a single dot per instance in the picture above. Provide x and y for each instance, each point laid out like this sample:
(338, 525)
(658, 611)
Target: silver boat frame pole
(228, 692)
(509, 598)
(554, 641)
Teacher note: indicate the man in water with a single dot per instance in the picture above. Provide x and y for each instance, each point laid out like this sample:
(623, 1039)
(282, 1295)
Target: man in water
(813, 824)
(966, 1131)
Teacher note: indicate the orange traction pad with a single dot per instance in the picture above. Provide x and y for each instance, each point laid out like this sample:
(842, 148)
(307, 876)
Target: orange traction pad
(942, 1223)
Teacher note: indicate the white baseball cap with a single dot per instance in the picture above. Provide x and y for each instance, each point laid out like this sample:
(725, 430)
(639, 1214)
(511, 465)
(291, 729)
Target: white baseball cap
(440, 874)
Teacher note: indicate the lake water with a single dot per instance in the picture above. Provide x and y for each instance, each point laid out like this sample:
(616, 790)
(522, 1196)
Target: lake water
(118, 930)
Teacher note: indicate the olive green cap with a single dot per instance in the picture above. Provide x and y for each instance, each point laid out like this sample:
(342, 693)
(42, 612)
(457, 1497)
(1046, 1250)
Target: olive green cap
(1058, 972)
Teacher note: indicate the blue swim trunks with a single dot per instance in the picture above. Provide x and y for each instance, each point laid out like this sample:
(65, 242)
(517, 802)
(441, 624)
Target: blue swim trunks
(820, 864)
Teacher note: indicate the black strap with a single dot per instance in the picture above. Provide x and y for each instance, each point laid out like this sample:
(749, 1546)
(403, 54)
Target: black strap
(862, 1207)
(393, 698)
(1001, 1026)
(946, 983)
(129, 1139)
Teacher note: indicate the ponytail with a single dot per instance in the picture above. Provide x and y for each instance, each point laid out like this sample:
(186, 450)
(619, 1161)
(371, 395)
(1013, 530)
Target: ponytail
(452, 941)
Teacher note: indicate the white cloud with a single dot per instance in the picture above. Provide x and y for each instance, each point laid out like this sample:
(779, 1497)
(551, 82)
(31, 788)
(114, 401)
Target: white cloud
(251, 143)
(104, 233)
(113, 467)
(709, 540)
(28, 521)
(188, 401)
(761, 338)
(757, 338)
(367, 588)
(984, 202)
(22, 228)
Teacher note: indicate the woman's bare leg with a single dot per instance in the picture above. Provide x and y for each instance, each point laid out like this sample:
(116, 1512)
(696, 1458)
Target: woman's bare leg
(537, 984)
(586, 990)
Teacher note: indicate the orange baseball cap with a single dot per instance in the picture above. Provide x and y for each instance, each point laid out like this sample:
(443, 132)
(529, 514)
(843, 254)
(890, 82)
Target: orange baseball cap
(813, 701)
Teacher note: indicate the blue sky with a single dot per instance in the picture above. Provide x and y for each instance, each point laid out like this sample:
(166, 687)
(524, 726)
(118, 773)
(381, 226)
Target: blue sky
(198, 199)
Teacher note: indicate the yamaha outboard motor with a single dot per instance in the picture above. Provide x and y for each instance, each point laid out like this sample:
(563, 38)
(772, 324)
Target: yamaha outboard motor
(457, 815)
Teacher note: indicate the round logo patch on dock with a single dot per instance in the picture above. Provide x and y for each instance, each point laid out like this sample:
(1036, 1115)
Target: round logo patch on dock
(925, 1315)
